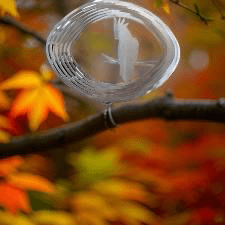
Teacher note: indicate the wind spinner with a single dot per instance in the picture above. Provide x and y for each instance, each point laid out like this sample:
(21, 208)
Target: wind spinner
(128, 68)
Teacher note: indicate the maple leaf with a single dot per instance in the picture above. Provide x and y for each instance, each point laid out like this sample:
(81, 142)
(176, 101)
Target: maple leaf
(13, 198)
(28, 181)
(14, 185)
(37, 97)
(10, 165)
(164, 4)
(8, 6)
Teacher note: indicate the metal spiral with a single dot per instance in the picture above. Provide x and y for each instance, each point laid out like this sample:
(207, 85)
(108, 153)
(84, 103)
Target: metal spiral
(69, 30)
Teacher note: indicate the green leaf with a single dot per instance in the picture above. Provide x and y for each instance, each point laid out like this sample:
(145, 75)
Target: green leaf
(94, 165)
(159, 3)
(40, 200)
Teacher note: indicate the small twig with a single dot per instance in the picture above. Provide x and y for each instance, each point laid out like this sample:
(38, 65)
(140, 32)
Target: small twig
(22, 28)
(196, 11)
(166, 108)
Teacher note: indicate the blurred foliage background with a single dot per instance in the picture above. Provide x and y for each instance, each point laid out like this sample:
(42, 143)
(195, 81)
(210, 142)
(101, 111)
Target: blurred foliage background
(150, 172)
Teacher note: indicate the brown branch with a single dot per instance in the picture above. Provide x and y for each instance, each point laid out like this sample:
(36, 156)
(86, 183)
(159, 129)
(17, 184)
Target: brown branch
(196, 11)
(161, 108)
(22, 28)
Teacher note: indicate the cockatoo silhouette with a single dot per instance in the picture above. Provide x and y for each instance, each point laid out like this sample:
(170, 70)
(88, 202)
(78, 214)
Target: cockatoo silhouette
(127, 49)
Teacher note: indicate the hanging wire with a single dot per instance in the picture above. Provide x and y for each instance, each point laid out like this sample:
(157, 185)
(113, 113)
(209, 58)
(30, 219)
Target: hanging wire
(108, 118)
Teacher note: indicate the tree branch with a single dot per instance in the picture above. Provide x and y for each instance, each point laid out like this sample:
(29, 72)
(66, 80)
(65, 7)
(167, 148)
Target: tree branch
(22, 28)
(196, 11)
(161, 108)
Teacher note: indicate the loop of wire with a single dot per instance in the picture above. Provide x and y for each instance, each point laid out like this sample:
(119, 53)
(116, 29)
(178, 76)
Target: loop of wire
(108, 118)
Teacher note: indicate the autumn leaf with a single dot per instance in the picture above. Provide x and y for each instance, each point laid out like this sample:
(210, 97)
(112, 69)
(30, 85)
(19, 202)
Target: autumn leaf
(52, 217)
(134, 214)
(4, 101)
(8, 6)
(94, 165)
(13, 198)
(26, 79)
(91, 201)
(14, 185)
(10, 219)
(166, 7)
(10, 165)
(164, 4)
(5, 137)
(28, 181)
(121, 189)
(6, 126)
(37, 97)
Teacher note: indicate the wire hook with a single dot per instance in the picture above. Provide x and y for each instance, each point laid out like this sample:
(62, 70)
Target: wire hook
(108, 118)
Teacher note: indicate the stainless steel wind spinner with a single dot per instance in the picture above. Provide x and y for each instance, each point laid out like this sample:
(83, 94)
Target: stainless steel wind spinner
(126, 50)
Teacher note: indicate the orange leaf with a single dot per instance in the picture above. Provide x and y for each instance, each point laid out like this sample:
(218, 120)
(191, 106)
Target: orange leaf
(13, 198)
(55, 101)
(38, 98)
(8, 6)
(23, 102)
(4, 101)
(9, 165)
(38, 111)
(27, 181)
(166, 7)
(4, 122)
(24, 79)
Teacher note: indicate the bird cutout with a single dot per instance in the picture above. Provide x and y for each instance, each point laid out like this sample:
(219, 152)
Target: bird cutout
(128, 48)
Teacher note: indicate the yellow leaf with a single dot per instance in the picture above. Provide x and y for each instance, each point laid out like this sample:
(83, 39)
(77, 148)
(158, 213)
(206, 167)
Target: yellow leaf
(121, 189)
(8, 6)
(23, 102)
(53, 217)
(88, 200)
(27, 181)
(4, 137)
(91, 201)
(7, 218)
(38, 111)
(37, 102)
(4, 101)
(55, 102)
(24, 79)
(166, 7)
(87, 218)
(46, 72)
(133, 213)
(37, 99)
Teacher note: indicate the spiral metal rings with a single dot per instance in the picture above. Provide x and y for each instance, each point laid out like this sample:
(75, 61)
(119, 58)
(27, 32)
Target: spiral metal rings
(69, 30)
